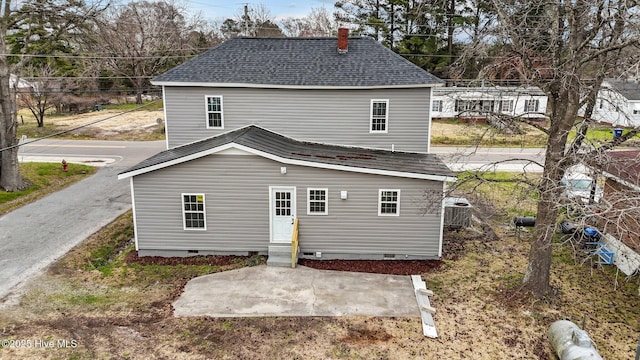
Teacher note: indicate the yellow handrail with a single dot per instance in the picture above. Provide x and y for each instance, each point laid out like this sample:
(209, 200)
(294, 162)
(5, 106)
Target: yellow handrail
(294, 243)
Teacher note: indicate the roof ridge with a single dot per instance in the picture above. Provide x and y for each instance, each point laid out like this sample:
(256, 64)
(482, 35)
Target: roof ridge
(296, 38)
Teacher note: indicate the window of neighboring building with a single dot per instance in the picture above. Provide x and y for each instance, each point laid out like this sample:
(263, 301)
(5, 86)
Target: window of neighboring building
(379, 115)
(486, 105)
(388, 202)
(531, 105)
(193, 212)
(436, 106)
(317, 202)
(214, 112)
(506, 105)
(474, 105)
(464, 105)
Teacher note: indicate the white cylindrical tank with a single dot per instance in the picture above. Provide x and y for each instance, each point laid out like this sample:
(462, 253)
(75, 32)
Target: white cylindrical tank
(570, 342)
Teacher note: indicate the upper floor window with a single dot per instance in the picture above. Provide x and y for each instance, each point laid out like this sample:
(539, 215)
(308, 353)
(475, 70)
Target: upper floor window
(317, 202)
(506, 105)
(379, 115)
(193, 212)
(531, 105)
(214, 112)
(436, 106)
(388, 202)
(636, 111)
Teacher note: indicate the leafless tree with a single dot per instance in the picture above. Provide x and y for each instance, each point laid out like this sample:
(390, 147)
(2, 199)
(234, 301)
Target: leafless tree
(68, 16)
(143, 39)
(38, 95)
(581, 43)
(319, 23)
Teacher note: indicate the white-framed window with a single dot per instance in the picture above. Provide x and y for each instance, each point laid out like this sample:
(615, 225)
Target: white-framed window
(474, 105)
(486, 105)
(379, 116)
(506, 105)
(317, 203)
(193, 212)
(464, 105)
(215, 119)
(531, 105)
(388, 202)
(636, 111)
(436, 106)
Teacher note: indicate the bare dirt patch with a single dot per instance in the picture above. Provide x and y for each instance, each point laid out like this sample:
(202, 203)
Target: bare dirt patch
(116, 124)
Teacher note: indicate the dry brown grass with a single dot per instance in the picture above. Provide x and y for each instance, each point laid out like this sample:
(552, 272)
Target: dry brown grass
(123, 311)
(470, 134)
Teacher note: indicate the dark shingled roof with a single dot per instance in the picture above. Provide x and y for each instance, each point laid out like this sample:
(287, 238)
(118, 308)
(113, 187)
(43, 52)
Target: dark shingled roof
(263, 140)
(630, 89)
(304, 62)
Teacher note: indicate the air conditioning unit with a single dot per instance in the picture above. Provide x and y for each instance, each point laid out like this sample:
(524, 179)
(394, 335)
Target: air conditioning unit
(457, 213)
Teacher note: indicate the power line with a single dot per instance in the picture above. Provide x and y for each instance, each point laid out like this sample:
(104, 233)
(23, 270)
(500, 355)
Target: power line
(78, 127)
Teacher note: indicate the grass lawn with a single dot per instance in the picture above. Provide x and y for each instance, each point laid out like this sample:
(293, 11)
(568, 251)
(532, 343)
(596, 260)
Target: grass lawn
(115, 308)
(44, 178)
(454, 133)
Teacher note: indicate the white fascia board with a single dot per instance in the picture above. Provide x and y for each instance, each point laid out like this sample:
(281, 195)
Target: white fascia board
(133, 210)
(164, 112)
(441, 230)
(621, 181)
(276, 86)
(286, 161)
(176, 161)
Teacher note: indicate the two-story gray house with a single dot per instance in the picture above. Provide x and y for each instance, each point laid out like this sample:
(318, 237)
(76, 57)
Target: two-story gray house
(261, 131)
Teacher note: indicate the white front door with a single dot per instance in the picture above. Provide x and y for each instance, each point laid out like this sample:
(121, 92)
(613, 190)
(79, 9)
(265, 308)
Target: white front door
(282, 212)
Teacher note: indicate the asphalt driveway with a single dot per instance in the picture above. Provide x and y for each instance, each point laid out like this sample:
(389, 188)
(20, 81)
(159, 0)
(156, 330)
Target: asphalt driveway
(274, 291)
(35, 235)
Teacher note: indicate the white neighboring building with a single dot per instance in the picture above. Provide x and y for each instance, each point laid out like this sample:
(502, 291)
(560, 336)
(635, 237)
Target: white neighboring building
(480, 102)
(19, 83)
(618, 103)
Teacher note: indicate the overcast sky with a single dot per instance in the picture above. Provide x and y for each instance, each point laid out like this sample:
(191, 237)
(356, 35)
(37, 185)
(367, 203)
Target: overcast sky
(217, 9)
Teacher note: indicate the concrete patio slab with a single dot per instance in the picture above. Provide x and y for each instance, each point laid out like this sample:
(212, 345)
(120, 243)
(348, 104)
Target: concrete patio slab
(273, 291)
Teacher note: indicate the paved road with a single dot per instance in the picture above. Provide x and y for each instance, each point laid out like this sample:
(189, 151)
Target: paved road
(118, 153)
(501, 159)
(35, 235)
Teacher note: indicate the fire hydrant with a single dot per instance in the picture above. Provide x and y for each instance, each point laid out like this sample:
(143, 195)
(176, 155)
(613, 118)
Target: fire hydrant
(64, 165)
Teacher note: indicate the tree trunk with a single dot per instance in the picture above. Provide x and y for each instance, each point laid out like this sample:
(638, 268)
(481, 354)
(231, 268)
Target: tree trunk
(563, 108)
(10, 179)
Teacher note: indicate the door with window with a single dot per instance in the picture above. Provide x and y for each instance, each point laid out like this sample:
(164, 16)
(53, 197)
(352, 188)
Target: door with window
(283, 213)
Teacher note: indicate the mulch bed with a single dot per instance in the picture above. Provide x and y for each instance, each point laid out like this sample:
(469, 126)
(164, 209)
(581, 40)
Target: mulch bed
(393, 267)
(219, 260)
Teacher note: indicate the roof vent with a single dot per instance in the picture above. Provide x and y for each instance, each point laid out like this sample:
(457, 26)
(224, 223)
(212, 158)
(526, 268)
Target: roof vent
(343, 40)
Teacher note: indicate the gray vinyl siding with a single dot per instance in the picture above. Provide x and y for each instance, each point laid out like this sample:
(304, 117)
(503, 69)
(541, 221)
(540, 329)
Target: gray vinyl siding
(327, 116)
(236, 189)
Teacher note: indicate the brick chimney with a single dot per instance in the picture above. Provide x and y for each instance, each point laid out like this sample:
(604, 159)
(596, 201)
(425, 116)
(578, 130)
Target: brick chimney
(343, 40)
